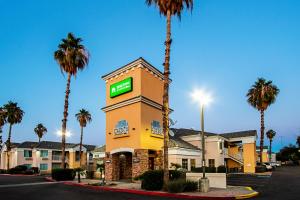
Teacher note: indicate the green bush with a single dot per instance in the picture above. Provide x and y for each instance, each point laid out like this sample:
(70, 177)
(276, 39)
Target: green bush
(176, 186)
(63, 174)
(90, 174)
(191, 186)
(3, 171)
(152, 180)
(176, 174)
(221, 169)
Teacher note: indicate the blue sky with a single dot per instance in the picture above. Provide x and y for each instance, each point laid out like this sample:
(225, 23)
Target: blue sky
(223, 46)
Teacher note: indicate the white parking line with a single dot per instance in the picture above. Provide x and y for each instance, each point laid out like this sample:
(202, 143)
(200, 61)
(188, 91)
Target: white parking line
(26, 184)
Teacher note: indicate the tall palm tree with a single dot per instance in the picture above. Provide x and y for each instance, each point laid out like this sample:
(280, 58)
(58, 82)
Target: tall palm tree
(3, 121)
(298, 141)
(83, 117)
(40, 130)
(168, 8)
(261, 95)
(14, 115)
(270, 134)
(71, 56)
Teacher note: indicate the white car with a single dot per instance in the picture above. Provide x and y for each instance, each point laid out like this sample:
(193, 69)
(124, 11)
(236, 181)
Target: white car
(268, 166)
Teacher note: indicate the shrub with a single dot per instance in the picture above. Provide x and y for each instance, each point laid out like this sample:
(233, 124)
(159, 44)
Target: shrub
(176, 186)
(221, 169)
(3, 171)
(63, 174)
(191, 186)
(176, 174)
(152, 180)
(90, 174)
(207, 169)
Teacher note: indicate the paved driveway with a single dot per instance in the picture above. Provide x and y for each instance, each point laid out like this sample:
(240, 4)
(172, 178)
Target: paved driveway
(284, 184)
(15, 179)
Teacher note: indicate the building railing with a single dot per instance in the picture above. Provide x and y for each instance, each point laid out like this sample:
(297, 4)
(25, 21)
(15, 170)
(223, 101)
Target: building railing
(236, 157)
(58, 158)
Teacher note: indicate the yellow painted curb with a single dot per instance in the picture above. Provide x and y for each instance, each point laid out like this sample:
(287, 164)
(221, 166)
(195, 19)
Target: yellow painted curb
(247, 196)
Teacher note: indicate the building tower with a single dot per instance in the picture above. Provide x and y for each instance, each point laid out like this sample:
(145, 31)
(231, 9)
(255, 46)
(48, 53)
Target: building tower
(134, 137)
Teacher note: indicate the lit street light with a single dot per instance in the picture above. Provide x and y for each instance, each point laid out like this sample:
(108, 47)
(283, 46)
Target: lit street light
(203, 99)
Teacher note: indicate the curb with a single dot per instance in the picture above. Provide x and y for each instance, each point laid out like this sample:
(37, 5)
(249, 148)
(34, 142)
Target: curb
(151, 193)
(29, 175)
(247, 196)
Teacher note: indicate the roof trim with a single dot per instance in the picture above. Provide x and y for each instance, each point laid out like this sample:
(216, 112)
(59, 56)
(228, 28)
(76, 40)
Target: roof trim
(139, 61)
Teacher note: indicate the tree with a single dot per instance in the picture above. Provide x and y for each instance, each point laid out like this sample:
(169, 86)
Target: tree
(298, 141)
(40, 130)
(3, 121)
(168, 8)
(14, 115)
(71, 57)
(270, 134)
(83, 117)
(261, 95)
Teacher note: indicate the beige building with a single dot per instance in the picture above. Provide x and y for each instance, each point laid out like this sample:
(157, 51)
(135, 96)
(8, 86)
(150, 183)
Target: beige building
(236, 150)
(46, 155)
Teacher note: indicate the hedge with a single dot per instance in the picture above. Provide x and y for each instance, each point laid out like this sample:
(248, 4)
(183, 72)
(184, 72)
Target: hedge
(181, 185)
(63, 174)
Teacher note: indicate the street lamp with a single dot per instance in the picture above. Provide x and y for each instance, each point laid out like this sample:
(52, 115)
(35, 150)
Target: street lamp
(203, 99)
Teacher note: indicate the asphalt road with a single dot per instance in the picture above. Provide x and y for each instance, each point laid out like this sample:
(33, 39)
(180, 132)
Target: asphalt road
(57, 191)
(284, 184)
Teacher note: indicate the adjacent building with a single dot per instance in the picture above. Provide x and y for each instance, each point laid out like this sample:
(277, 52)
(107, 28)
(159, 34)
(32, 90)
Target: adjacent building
(46, 155)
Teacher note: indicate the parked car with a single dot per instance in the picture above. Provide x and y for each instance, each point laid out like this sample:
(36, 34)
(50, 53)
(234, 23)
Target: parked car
(269, 166)
(275, 164)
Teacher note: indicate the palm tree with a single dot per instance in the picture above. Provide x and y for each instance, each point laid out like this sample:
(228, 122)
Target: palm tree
(14, 115)
(71, 57)
(261, 95)
(83, 117)
(168, 8)
(270, 134)
(298, 141)
(3, 121)
(40, 130)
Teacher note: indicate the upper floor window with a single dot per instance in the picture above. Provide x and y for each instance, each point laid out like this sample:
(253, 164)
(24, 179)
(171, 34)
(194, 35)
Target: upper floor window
(121, 128)
(44, 153)
(156, 128)
(221, 145)
(77, 156)
(27, 153)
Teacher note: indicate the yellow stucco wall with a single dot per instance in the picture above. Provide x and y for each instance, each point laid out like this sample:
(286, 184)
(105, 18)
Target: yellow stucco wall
(249, 157)
(75, 164)
(138, 115)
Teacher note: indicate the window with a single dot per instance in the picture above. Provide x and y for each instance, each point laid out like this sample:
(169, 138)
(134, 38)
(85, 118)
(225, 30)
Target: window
(44, 153)
(77, 157)
(156, 128)
(44, 167)
(193, 163)
(121, 128)
(27, 153)
(211, 162)
(90, 156)
(185, 164)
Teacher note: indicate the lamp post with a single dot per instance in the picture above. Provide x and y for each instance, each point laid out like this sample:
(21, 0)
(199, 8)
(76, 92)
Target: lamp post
(203, 98)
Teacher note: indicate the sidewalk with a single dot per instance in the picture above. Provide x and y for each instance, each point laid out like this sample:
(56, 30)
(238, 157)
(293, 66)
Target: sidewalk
(231, 192)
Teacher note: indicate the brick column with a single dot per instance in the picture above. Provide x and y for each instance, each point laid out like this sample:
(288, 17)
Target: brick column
(139, 162)
(111, 167)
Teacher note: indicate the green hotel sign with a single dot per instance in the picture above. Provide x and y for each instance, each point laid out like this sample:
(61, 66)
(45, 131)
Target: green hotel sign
(121, 87)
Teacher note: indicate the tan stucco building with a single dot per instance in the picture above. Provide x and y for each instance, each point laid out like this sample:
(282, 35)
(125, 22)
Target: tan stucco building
(46, 155)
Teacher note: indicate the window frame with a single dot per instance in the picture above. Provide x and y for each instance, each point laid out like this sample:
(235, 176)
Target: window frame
(183, 162)
(29, 152)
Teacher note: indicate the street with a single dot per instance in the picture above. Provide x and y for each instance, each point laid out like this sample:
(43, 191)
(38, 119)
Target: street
(57, 191)
(284, 184)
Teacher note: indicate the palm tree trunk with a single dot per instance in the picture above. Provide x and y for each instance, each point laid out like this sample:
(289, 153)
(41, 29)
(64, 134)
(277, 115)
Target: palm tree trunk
(262, 134)
(80, 146)
(270, 153)
(64, 123)
(39, 139)
(8, 146)
(165, 107)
